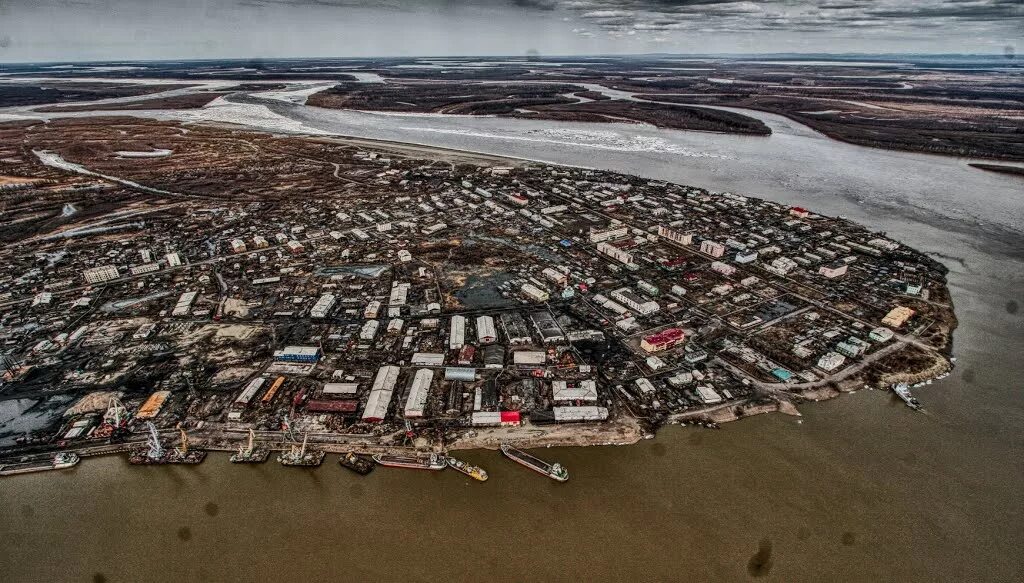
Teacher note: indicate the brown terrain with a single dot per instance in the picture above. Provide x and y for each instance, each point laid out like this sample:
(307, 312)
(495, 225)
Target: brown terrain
(534, 101)
(190, 101)
(20, 94)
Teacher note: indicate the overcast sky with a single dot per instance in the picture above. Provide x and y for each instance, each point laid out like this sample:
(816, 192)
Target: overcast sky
(68, 30)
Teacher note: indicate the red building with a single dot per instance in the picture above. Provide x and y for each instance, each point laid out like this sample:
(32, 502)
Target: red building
(466, 355)
(662, 340)
(511, 418)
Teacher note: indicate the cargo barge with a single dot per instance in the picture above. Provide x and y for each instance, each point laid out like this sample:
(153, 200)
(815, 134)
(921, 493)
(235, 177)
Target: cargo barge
(301, 457)
(356, 463)
(154, 453)
(431, 462)
(251, 454)
(554, 471)
(475, 472)
(26, 466)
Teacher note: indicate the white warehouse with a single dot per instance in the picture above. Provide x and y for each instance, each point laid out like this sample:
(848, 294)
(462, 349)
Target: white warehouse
(485, 330)
(457, 337)
(418, 392)
(323, 306)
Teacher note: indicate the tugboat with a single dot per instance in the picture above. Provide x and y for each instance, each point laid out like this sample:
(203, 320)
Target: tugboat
(251, 454)
(155, 454)
(475, 472)
(356, 463)
(902, 391)
(554, 471)
(431, 462)
(60, 461)
(301, 457)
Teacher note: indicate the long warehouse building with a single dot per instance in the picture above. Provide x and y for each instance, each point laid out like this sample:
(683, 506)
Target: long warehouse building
(417, 400)
(485, 331)
(380, 395)
(457, 338)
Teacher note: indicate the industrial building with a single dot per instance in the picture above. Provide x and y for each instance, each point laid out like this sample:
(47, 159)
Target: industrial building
(580, 413)
(534, 293)
(427, 359)
(249, 392)
(377, 404)
(418, 392)
(515, 328)
(485, 331)
(308, 354)
(457, 333)
(184, 303)
(562, 391)
(548, 330)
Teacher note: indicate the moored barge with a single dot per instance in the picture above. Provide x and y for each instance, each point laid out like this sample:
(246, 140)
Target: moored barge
(26, 466)
(431, 462)
(554, 471)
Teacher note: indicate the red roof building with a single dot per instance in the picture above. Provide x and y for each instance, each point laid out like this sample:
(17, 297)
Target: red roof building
(466, 355)
(662, 340)
(332, 406)
(511, 418)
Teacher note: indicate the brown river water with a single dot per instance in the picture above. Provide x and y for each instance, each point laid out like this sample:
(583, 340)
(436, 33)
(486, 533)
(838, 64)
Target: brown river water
(859, 489)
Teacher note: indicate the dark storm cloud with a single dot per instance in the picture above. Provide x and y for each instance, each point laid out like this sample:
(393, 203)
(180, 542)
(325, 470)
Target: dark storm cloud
(128, 29)
(617, 16)
(536, 4)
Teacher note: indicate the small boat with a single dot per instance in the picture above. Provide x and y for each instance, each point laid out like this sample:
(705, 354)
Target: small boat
(554, 471)
(902, 390)
(475, 472)
(356, 463)
(431, 462)
(251, 454)
(25, 466)
(301, 456)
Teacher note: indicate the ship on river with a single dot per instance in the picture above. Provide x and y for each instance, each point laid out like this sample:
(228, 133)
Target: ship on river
(356, 463)
(902, 391)
(554, 471)
(25, 466)
(415, 462)
(475, 472)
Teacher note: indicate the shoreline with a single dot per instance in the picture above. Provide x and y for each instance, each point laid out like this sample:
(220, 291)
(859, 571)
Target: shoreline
(623, 430)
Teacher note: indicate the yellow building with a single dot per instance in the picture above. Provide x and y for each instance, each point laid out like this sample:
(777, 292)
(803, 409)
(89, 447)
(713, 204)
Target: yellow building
(897, 316)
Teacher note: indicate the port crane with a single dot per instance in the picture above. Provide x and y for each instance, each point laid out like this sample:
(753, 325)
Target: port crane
(117, 413)
(184, 443)
(248, 448)
(156, 451)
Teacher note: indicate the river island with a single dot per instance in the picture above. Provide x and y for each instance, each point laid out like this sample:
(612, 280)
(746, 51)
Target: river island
(204, 287)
